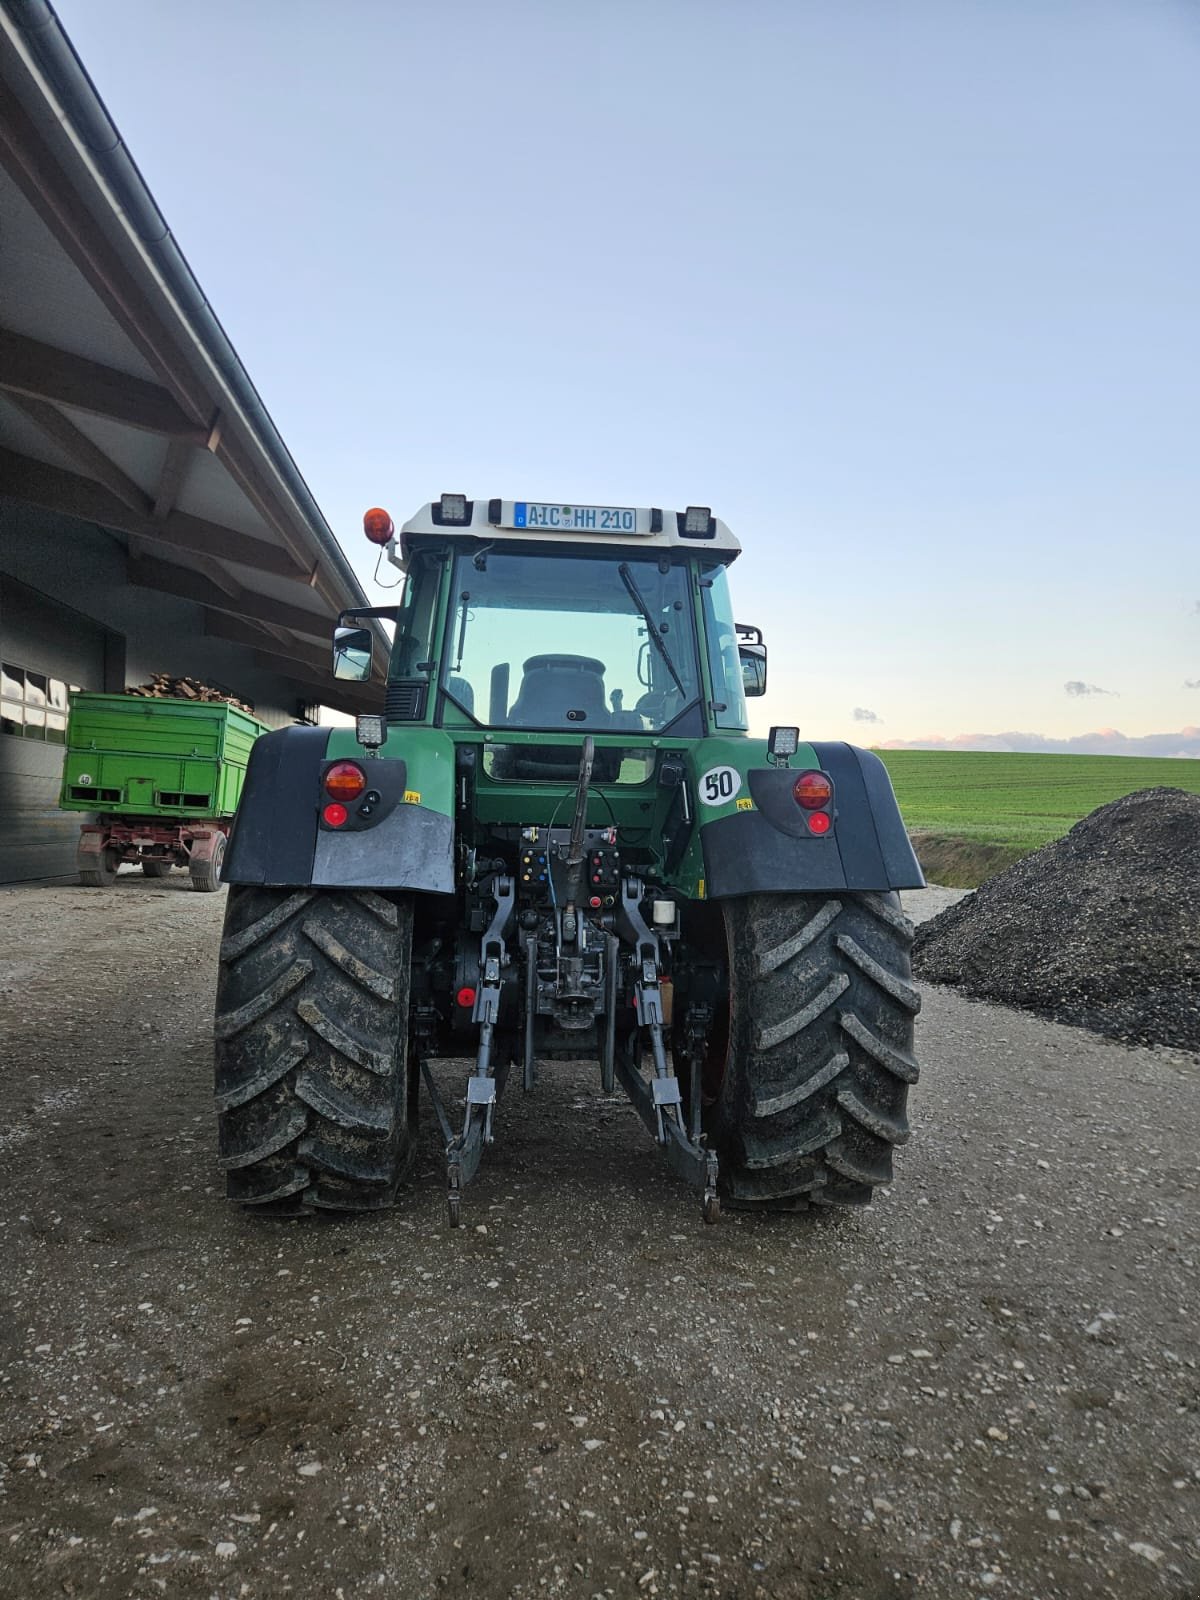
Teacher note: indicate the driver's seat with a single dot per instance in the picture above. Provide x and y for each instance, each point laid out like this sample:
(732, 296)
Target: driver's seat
(553, 687)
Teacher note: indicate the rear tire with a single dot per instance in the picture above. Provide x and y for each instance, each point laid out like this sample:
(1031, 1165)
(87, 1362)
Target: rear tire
(813, 1096)
(101, 870)
(312, 1048)
(206, 875)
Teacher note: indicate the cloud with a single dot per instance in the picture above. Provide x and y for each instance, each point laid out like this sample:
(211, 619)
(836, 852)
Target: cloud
(1102, 742)
(1075, 687)
(861, 714)
(1191, 683)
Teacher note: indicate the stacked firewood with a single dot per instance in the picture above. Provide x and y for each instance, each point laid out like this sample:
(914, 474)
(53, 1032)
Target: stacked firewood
(163, 686)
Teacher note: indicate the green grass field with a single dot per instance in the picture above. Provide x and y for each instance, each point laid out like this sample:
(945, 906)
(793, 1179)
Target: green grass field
(1019, 802)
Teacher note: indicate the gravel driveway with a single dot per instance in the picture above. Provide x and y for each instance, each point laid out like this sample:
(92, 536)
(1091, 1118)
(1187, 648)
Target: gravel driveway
(985, 1385)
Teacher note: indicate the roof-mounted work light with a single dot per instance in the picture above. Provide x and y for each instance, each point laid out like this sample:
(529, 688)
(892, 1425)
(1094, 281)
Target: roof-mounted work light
(452, 508)
(378, 525)
(697, 523)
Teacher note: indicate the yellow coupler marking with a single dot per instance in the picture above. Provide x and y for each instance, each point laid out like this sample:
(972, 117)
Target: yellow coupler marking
(745, 805)
(412, 797)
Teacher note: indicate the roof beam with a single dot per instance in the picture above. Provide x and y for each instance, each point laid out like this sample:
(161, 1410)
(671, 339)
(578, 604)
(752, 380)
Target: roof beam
(176, 461)
(285, 636)
(43, 372)
(96, 465)
(191, 585)
(265, 637)
(74, 496)
(309, 669)
(215, 573)
(349, 697)
(309, 665)
(218, 625)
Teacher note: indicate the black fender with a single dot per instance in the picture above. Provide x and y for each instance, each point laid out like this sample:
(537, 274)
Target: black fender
(279, 837)
(770, 850)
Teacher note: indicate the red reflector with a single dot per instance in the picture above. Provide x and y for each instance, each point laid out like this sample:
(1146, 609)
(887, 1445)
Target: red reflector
(377, 525)
(812, 790)
(594, 902)
(345, 781)
(335, 815)
(819, 822)
(465, 996)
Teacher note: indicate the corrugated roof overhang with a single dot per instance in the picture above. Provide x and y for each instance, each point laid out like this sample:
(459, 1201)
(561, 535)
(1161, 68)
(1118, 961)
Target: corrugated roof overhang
(122, 401)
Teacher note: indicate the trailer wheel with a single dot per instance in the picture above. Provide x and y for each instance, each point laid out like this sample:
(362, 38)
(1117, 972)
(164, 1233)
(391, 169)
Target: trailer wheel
(206, 873)
(156, 869)
(810, 1087)
(312, 1052)
(99, 871)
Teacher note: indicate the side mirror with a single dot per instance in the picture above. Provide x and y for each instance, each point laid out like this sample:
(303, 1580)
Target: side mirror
(352, 654)
(754, 669)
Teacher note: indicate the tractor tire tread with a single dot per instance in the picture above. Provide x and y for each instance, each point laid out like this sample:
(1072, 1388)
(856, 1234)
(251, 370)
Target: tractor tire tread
(312, 1049)
(235, 945)
(813, 1099)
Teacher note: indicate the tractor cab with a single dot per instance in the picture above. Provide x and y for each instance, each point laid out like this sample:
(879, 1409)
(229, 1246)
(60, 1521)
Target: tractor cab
(527, 618)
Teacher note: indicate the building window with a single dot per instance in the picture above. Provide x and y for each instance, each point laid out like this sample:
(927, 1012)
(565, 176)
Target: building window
(33, 705)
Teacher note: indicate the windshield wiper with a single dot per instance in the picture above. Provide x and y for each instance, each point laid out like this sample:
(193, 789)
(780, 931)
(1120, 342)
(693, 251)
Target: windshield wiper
(465, 599)
(635, 594)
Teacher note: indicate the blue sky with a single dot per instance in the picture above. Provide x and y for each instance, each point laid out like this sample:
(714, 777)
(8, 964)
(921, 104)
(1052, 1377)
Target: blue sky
(907, 293)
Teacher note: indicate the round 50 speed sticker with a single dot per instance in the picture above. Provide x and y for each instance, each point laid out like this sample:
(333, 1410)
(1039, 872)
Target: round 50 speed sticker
(719, 785)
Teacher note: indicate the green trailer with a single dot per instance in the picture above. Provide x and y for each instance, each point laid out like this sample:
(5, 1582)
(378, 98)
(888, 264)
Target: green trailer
(162, 776)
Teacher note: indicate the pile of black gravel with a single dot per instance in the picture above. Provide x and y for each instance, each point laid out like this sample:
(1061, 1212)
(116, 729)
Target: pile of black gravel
(1100, 929)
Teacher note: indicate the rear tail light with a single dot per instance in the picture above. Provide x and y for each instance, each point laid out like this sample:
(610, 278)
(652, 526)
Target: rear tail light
(819, 822)
(812, 790)
(344, 781)
(335, 815)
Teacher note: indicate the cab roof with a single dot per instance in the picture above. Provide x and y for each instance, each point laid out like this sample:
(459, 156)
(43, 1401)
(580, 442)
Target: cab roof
(561, 526)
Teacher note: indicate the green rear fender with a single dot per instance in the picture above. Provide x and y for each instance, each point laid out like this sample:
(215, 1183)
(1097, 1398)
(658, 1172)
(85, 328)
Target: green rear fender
(398, 835)
(407, 842)
(751, 836)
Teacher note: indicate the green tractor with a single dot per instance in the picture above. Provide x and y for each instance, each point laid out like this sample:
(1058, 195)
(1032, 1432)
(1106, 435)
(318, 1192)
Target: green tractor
(560, 842)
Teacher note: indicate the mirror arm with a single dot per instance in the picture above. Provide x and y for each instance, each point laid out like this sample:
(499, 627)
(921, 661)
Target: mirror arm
(388, 613)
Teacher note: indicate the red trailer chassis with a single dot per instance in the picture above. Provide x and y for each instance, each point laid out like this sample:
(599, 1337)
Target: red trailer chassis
(156, 845)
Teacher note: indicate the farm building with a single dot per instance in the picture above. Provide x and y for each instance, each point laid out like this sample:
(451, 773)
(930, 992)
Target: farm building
(151, 518)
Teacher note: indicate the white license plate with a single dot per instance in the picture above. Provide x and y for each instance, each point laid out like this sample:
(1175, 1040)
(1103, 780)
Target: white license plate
(574, 519)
